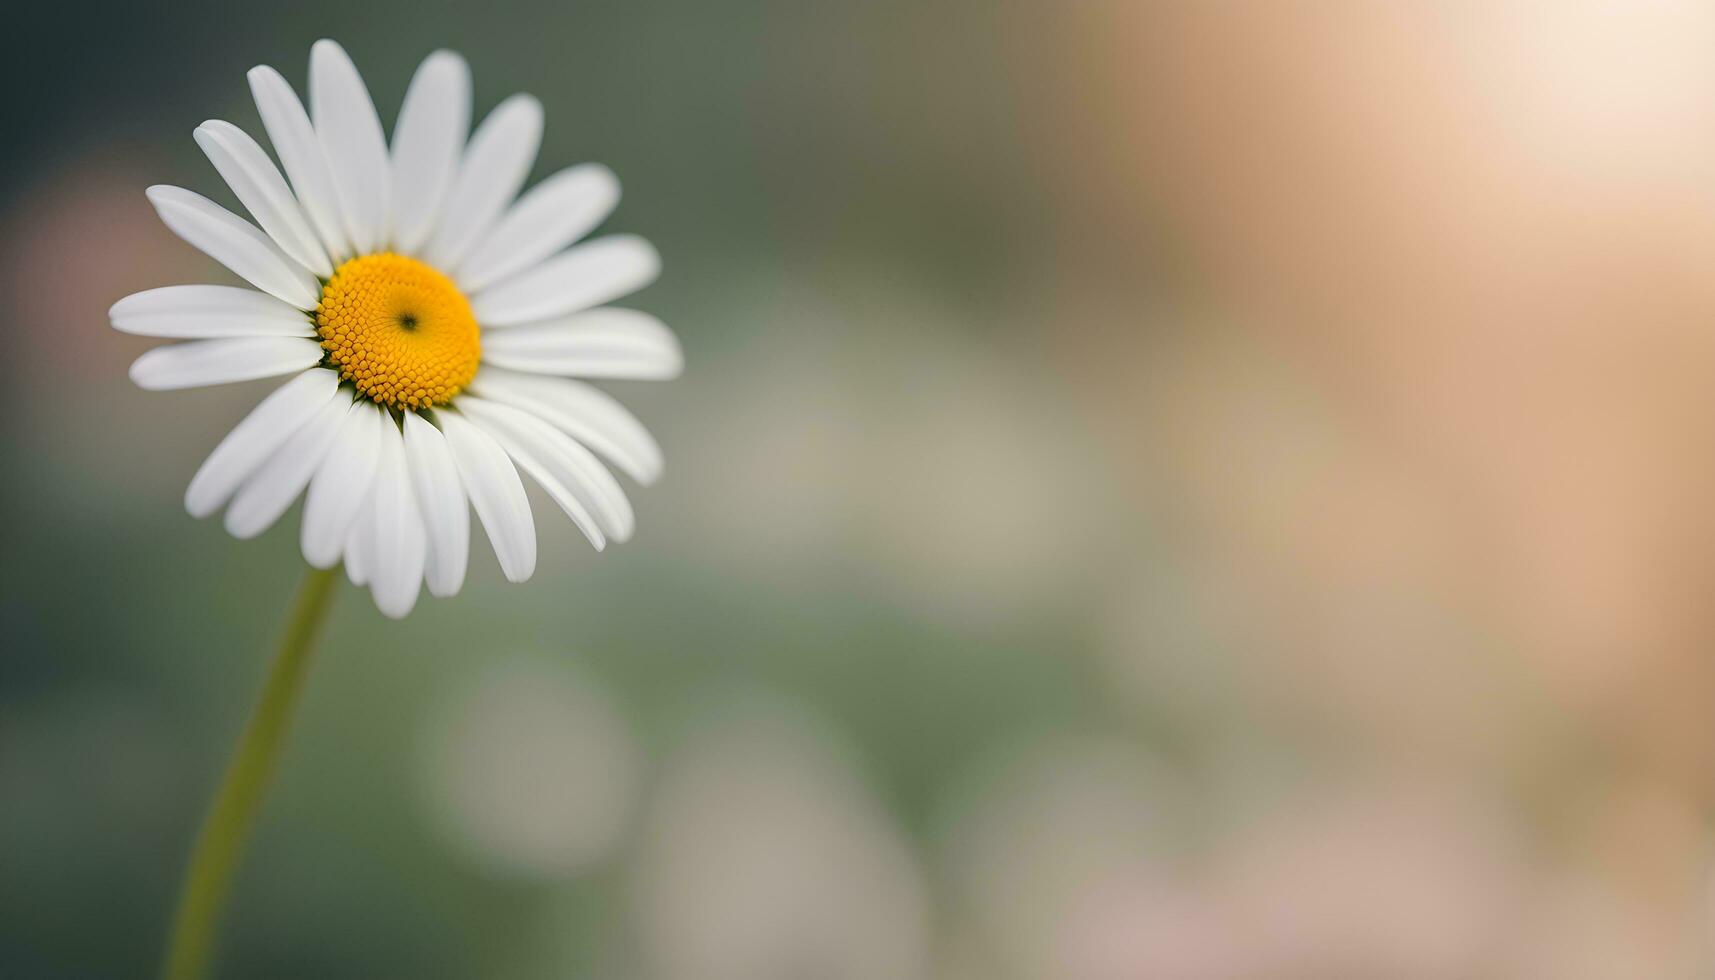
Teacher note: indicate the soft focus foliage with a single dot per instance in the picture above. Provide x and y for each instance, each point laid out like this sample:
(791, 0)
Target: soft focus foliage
(1206, 491)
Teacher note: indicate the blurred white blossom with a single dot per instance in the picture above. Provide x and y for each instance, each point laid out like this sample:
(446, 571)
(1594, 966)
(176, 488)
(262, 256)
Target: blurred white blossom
(765, 858)
(530, 769)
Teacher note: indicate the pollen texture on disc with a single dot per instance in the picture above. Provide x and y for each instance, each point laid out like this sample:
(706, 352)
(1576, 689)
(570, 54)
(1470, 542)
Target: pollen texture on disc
(399, 330)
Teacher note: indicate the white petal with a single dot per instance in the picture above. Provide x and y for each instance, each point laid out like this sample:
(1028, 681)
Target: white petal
(550, 216)
(252, 176)
(397, 575)
(584, 412)
(581, 277)
(446, 513)
(273, 487)
(426, 142)
(352, 141)
(253, 440)
(188, 312)
(359, 555)
(605, 343)
(341, 484)
(300, 153)
(496, 492)
(495, 164)
(236, 244)
(196, 363)
(564, 468)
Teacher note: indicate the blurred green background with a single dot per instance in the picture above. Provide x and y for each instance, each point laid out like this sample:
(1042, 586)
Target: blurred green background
(1156, 492)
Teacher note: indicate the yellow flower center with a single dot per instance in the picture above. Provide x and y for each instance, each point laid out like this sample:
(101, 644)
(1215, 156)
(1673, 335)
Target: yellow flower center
(399, 330)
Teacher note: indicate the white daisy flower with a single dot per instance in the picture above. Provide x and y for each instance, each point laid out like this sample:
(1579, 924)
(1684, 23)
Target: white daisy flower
(431, 323)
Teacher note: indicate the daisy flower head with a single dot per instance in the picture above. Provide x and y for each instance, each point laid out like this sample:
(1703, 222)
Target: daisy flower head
(434, 323)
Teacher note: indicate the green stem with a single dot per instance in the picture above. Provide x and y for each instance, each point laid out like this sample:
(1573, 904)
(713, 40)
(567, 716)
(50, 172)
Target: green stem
(221, 840)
